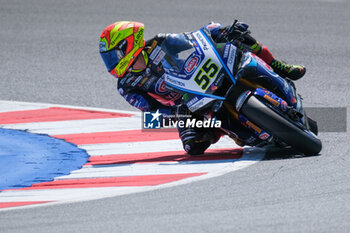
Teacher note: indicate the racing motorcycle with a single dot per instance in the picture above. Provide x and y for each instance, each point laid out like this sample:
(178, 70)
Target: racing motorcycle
(222, 77)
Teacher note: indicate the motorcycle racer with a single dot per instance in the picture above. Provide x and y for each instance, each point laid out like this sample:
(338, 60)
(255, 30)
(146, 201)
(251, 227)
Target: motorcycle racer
(138, 65)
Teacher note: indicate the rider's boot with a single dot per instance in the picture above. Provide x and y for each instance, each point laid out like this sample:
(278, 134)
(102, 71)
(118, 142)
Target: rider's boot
(283, 69)
(196, 141)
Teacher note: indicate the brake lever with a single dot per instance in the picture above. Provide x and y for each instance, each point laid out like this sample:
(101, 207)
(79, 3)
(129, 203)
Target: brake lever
(240, 37)
(230, 29)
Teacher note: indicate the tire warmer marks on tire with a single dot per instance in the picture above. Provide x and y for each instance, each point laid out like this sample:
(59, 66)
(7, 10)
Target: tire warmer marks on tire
(122, 159)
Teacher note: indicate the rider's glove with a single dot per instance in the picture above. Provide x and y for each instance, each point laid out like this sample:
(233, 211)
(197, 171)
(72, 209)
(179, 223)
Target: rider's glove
(237, 32)
(242, 26)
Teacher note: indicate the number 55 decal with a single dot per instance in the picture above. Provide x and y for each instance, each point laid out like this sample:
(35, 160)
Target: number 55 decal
(208, 71)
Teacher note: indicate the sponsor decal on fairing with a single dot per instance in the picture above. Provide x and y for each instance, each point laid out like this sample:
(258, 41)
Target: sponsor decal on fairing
(160, 87)
(191, 64)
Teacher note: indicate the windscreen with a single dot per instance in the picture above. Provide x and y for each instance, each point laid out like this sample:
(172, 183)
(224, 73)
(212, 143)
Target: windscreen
(178, 48)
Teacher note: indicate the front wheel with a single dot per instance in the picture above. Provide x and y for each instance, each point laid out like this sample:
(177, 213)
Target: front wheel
(280, 128)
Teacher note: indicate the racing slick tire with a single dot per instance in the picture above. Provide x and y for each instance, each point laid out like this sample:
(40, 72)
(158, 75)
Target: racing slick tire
(279, 127)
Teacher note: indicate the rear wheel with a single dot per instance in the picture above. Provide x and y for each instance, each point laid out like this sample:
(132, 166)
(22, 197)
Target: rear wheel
(280, 128)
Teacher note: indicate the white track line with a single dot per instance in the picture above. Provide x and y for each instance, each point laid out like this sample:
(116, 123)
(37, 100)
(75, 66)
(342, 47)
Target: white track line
(20, 107)
(65, 194)
(79, 126)
(147, 147)
(35, 106)
(85, 194)
(143, 169)
(212, 168)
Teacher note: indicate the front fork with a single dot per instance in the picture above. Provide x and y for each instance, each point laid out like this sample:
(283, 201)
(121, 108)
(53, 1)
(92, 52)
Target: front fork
(269, 97)
(257, 131)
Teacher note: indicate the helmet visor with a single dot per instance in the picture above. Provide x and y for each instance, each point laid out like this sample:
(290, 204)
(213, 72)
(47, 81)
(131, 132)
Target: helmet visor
(112, 58)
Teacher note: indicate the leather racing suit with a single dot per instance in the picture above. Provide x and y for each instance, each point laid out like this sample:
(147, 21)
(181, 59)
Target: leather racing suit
(146, 89)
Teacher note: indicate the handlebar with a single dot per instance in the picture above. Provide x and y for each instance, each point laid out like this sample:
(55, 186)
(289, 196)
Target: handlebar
(234, 31)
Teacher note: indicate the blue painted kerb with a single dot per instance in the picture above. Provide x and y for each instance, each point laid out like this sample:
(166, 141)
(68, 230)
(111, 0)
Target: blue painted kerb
(27, 158)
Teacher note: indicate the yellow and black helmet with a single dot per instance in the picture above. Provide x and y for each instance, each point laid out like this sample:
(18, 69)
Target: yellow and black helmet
(120, 44)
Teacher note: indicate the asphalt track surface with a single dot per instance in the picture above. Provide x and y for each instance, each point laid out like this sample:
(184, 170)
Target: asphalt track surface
(49, 53)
